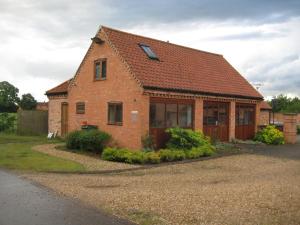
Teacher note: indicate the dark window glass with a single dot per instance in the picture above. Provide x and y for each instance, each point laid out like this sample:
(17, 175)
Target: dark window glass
(185, 115)
(222, 115)
(171, 115)
(80, 107)
(157, 115)
(100, 69)
(103, 75)
(115, 113)
(97, 70)
(149, 51)
(244, 115)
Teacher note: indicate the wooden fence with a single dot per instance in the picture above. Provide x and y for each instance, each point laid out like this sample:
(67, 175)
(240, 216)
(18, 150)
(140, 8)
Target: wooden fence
(32, 122)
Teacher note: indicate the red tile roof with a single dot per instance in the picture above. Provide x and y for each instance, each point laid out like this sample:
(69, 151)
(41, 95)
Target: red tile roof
(179, 68)
(265, 105)
(60, 89)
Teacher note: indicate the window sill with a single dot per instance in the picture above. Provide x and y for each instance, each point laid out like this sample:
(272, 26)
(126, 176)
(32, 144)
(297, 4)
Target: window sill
(101, 79)
(115, 124)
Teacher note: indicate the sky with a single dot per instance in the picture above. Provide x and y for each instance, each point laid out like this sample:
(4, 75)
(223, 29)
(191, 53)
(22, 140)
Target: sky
(43, 42)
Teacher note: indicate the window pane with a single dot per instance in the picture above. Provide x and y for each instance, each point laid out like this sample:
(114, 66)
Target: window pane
(211, 115)
(111, 113)
(185, 115)
(115, 113)
(119, 113)
(103, 75)
(241, 115)
(80, 108)
(171, 115)
(149, 52)
(157, 115)
(222, 114)
(97, 70)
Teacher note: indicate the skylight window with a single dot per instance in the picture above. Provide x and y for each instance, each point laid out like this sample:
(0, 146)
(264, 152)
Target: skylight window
(148, 51)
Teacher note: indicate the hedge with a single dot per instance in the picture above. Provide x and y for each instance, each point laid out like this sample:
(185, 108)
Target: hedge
(88, 140)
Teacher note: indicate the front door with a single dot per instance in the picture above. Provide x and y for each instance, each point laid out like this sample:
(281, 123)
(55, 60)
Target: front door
(64, 119)
(216, 120)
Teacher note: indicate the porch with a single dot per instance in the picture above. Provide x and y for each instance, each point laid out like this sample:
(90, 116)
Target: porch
(219, 119)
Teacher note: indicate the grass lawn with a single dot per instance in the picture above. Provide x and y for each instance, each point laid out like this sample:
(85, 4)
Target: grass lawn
(16, 153)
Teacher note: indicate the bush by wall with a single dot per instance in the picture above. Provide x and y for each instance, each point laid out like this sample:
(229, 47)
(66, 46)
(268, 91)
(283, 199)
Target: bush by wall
(89, 140)
(183, 144)
(7, 122)
(298, 129)
(152, 157)
(128, 156)
(270, 135)
(186, 138)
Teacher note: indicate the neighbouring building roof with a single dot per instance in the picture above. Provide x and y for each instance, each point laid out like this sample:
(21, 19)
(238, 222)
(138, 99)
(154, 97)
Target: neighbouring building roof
(179, 68)
(60, 89)
(265, 105)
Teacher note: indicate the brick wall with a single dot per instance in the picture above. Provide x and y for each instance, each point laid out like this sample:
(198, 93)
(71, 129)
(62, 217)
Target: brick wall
(120, 86)
(54, 113)
(264, 116)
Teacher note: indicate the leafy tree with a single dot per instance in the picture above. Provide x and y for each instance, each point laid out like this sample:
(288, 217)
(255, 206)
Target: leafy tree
(27, 102)
(282, 103)
(8, 97)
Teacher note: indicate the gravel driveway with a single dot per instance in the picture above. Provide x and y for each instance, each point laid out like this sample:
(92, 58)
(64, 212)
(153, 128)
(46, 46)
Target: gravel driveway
(258, 188)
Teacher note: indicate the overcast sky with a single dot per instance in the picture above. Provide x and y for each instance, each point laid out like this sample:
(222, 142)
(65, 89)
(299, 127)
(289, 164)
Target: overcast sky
(43, 42)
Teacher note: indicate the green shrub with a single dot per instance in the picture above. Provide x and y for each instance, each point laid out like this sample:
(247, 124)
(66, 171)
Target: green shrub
(73, 140)
(128, 156)
(185, 138)
(152, 157)
(138, 157)
(193, 153)
(298, 129)
(270, 135)
(7, 122)
(167, 155)
(90, 140)
(148, 142)
(197, 152)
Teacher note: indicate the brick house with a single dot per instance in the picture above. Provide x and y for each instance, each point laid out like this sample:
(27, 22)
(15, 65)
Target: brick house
(129, 86)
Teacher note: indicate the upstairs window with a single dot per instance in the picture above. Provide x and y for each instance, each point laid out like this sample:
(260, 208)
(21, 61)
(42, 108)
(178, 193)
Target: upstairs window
(115, 113)
(80, 107)
(100, 69)
(149, 52)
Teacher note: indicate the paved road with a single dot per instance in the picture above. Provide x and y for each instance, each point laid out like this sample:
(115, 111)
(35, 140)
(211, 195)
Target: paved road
(24, 203)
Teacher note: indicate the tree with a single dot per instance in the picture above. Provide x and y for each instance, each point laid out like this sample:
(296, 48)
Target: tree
(282, 103)
(27, 102)
(8, 97)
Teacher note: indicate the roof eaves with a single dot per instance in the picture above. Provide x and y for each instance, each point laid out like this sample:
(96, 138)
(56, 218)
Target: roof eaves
(185, 91)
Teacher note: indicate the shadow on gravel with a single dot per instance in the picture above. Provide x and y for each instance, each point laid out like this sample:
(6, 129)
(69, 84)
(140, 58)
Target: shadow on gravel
(286, 151)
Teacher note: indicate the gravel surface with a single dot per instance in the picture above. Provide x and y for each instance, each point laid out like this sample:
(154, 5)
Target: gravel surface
(90, 163)
(240, 189)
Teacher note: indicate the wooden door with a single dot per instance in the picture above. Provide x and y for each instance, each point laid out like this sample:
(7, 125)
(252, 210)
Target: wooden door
(166, 113)
(245, 121)
(216, 120)
(64, 119)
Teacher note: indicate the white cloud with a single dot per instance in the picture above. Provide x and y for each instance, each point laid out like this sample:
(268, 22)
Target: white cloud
(43, 42)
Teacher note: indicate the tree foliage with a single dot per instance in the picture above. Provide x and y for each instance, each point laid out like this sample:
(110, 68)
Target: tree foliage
(8, 97)
(282, 103)
(27, 102)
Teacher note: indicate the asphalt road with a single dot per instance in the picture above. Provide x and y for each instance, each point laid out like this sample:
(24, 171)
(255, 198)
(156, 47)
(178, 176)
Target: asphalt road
(25, 203)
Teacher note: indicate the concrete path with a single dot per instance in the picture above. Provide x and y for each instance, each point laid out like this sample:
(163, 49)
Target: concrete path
(25, 203)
